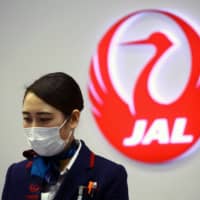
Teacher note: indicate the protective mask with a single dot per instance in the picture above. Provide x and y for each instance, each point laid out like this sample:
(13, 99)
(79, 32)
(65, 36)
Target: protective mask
(46, 141)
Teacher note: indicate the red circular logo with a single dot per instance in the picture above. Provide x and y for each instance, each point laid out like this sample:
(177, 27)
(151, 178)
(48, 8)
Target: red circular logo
(144, 86)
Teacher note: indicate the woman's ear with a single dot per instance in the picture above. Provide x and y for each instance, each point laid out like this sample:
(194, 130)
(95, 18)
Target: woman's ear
(74, 119)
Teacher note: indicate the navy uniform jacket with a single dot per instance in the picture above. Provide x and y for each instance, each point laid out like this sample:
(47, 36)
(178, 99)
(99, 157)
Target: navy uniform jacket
(111, 179)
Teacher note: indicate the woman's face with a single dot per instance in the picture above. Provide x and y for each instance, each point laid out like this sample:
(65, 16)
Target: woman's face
(37, 113)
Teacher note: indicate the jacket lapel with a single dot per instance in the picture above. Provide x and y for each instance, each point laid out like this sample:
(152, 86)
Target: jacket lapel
(79, 174)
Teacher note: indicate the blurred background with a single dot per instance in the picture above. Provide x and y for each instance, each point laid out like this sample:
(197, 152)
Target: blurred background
(42, 36)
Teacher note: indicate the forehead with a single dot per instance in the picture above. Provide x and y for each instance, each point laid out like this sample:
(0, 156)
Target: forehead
(33, 103)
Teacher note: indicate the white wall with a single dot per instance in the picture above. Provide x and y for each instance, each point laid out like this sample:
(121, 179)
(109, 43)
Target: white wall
(41, 36)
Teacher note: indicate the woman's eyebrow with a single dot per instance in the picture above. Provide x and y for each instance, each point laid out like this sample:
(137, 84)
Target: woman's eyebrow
(43, 113)
(25, 113)
(38, 113)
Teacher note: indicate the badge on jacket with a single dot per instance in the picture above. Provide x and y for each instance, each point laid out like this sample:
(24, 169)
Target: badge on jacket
(87, 192)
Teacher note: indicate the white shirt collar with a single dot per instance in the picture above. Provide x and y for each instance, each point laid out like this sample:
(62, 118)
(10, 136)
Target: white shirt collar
(72, 160)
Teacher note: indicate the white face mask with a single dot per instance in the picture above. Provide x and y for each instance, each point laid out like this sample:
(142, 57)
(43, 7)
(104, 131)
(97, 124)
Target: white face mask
(46, 141)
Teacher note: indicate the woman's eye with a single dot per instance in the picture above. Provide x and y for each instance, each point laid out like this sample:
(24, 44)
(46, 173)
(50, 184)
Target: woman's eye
(27, 119)
(44, 119)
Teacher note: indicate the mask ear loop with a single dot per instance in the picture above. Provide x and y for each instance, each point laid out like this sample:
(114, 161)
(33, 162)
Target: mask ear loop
(69, 136)
(66, 120)
(71, 132)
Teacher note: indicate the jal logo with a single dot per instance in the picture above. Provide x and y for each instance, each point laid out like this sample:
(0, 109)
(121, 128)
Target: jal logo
(34, 188)
(144, 86)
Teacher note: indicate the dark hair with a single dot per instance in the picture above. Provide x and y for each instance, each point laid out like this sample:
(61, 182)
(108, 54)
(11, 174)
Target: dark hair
(59, 90)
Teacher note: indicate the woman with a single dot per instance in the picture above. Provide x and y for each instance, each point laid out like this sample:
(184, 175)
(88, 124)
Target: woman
(58, 166)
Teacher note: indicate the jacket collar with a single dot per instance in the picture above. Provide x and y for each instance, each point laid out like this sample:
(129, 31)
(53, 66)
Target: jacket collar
(79, 174)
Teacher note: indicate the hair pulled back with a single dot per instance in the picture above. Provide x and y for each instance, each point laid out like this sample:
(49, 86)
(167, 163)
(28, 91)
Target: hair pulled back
(59, 90)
